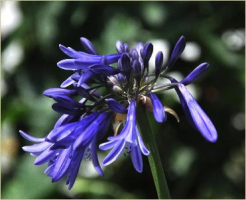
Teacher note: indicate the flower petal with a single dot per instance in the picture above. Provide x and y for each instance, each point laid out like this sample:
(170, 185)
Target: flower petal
(94, 157)
(107, 145)
(77, 157)
(61, 131)
(158, 109)
(120, 46)
(45, 156)
(90, 132)
(103, 69)
(199, 118)
(141, 144)
(30, 138)
(137, 158)
(64, 119)
(61, 165)
(89, 47)
(116, 106)
(54, 92)
(36, 148)
(198, 71)
(69, 51)
(114, 153)
(69, 81)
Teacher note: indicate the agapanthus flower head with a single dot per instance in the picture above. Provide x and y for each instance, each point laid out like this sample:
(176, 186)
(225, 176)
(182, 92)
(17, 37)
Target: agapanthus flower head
(87, 114)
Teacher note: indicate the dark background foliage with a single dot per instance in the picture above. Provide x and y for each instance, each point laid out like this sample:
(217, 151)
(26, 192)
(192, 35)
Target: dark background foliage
(194, 167)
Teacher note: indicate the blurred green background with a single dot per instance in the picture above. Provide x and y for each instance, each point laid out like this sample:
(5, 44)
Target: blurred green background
(215, 32)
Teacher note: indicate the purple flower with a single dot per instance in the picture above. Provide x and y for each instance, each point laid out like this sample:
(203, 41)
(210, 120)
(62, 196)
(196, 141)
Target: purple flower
(96, 93)
(130, 139)
(67, 145)
(158, 109)
(195, 114)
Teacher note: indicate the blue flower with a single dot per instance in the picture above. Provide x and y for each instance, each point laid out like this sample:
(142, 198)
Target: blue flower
(87, 113)
(68, 144)
(195, 114)
(128, 138)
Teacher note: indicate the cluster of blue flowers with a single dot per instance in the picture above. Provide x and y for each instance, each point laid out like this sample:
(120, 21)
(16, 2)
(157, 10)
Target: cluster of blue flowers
(87, 114)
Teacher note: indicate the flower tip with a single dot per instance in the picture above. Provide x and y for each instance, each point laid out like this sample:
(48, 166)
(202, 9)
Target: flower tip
(84, 40)
(61, 46)
(120, 46)
(213, 138)
(182, 38)
(24, 148)
(87, 44)
(205, 64)
(147, 51)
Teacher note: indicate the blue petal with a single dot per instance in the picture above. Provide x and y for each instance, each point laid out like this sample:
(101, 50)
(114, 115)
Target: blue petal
(134, 54)
(107, 145)
(64, 119)
(85, 77)
(198, 71)
(115, 106)
(36, 148)
(49, 168)
(89, 47)
(112, 58)
(69, 51)
(30, 138)
(177, 51)
(114, 153)
(68, 138)
(158, 109)
(128, 132)
(67, 101)
(94, 157)
(199, 118)
(103, 69)
(86, 137)
(61, 165)
(84, 93)
(74, 168)
(137, 158)
(54, 92)
(124, 63)
(142, 146)
(45, 156)
(61, 131)
(120, 46)
(66, 109)
(68, 64)
(69, 81)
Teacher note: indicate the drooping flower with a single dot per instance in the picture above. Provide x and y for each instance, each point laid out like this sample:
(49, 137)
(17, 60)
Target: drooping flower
(86, 114)
(128, 138)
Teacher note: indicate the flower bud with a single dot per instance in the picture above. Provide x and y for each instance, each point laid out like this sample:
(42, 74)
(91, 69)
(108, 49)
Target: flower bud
(89, 47)
(158, 63)
(147, 51)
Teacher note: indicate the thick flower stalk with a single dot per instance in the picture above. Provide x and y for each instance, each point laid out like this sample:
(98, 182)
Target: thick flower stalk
(87, 114)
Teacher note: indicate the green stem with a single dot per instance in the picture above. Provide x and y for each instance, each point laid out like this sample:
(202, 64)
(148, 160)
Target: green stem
(154, 158)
